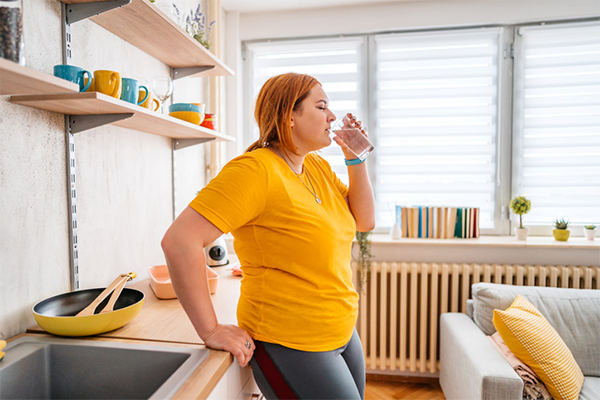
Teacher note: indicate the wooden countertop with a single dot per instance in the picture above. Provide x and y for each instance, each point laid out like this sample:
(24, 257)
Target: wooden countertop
(163, 321)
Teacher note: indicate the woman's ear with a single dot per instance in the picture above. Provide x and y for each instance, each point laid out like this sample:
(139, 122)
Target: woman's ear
(292, 123)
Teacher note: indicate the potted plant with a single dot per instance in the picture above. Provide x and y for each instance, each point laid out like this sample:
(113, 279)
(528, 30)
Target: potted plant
(561, 232)
(590, 232)
(364, 258)
(520, 205)
(195, 27)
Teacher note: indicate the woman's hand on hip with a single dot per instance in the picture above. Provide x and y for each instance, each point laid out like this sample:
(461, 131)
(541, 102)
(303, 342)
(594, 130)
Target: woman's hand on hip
(232, 339)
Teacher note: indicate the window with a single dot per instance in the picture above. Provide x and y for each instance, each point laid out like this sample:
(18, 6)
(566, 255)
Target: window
(436, 112)
(556, 161)
(443, 110)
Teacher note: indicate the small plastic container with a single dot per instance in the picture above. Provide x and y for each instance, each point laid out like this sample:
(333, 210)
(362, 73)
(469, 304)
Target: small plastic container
(160, 282)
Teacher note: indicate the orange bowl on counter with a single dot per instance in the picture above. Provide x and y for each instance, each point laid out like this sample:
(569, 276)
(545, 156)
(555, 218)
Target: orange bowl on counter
(160, 282)
(213, 280)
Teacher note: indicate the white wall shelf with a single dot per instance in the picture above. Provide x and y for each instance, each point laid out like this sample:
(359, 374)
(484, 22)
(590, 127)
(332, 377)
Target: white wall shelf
(16, 79)
(142, 119)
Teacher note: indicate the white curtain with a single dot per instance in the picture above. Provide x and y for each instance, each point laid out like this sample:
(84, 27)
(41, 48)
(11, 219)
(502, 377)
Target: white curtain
(436, 113)
(556, 157)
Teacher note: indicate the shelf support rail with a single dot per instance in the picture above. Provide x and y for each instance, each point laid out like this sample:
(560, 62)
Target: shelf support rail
(77, 12)
(72, 204)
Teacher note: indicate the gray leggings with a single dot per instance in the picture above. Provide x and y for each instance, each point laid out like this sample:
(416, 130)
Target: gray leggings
(284, 373)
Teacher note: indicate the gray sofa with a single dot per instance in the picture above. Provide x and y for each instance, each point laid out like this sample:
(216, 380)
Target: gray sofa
(472, 368)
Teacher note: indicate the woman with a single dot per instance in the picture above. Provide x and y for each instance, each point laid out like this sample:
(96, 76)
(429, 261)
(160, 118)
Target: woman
(293, 222)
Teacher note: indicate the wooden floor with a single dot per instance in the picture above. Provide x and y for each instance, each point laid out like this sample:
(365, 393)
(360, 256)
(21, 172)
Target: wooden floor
(386, 390)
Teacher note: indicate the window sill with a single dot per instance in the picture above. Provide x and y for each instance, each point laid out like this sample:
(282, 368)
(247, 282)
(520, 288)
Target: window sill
(491, 241)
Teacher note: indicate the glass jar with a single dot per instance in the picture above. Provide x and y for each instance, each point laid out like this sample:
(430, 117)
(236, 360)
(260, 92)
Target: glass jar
(168, 8)
(11, 30)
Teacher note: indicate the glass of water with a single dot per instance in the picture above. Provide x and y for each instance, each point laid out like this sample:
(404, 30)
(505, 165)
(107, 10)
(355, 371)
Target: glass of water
(353, 136)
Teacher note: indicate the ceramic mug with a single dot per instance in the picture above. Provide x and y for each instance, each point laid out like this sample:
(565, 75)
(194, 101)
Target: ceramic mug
(149, 102)
(73, 74)
(131, 89)
(108, 82)
(92, 88)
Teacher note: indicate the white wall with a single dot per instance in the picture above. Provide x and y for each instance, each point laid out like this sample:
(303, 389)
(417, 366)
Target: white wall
(407, 15)
(123, 177)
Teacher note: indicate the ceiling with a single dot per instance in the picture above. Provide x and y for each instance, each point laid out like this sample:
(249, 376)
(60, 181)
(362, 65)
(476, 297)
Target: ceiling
(273, 5)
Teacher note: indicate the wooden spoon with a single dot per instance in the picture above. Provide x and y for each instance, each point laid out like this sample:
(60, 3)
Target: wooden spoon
(117, 292)
(89, 310)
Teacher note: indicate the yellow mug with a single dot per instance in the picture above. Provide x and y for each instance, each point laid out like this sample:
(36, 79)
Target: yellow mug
(108, 82)
(92, 88)
(150, 101)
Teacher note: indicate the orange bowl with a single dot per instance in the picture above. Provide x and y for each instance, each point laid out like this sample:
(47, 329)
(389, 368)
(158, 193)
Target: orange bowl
(213, 280)
(160, 282)
(192, 117)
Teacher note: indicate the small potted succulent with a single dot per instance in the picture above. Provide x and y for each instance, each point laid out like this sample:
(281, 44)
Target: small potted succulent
(560, 231)
(589, 231)
(520, 205)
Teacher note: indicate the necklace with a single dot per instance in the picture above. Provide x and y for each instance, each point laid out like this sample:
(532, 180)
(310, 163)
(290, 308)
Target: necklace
(313, 191)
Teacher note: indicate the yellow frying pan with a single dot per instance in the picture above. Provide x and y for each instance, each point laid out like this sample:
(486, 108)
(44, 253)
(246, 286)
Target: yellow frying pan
(57, 315)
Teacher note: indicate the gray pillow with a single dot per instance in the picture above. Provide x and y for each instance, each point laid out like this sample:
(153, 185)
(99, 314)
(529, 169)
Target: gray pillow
(573, 313)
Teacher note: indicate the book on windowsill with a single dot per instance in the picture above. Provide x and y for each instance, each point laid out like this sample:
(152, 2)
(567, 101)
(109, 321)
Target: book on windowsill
(439, 222)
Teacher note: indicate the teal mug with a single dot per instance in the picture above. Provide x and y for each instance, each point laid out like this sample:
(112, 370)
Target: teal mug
(130, 91)
(74, 74)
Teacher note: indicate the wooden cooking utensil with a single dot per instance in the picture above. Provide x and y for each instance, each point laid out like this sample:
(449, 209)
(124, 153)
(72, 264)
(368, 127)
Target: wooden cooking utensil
(117, 292)
(121, 280)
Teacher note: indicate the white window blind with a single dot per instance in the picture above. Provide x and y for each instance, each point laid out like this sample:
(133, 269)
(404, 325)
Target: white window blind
(337, 63)
(436, 110)
(556, 161)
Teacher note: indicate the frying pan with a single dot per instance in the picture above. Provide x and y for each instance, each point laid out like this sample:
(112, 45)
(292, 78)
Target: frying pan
(57, 314)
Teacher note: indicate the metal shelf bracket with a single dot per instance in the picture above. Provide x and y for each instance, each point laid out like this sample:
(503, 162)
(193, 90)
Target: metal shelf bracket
(80, 123)
(183, 143)
(77, 12)
(179, 73)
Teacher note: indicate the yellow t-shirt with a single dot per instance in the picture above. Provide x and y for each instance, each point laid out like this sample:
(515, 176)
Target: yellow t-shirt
(297, 287)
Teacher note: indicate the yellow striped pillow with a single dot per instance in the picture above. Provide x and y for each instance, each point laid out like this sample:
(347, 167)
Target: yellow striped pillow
(531, 338)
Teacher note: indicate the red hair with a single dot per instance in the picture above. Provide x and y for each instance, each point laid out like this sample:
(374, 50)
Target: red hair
(279, 96)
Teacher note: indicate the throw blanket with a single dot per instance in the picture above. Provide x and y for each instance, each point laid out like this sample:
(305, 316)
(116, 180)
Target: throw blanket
(533, 388)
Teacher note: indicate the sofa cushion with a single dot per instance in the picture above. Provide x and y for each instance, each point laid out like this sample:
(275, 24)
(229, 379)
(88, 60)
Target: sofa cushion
(590, 389)
(531, 338)
(573, 313)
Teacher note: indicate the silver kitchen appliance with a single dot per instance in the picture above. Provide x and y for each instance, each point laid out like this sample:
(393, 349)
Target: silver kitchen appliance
(216, 253)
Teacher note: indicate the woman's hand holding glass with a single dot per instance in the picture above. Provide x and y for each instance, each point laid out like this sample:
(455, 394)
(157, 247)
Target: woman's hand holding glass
(351, 137)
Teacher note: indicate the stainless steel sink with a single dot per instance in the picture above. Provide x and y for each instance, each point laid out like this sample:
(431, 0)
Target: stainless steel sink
(57, 368)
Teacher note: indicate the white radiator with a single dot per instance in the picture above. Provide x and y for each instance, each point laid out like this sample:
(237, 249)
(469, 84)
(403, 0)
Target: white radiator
(401, 304)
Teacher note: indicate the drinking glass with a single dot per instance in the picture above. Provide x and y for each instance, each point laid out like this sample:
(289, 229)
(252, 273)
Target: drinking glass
(346, 129)
(163, 88)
